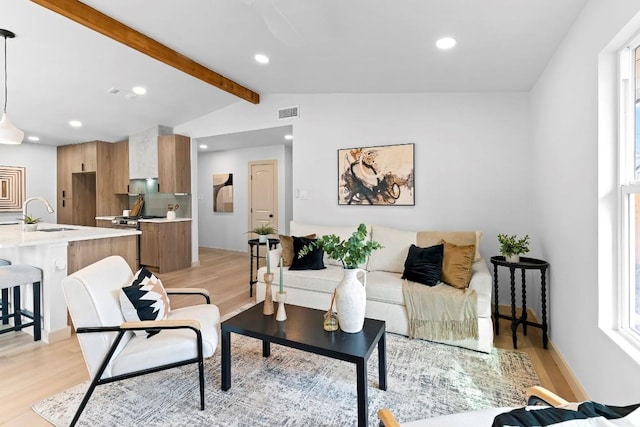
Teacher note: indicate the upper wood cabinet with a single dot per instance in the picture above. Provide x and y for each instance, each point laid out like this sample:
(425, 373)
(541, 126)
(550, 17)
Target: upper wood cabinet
(174, 164)
(68, 155)
(92, 180)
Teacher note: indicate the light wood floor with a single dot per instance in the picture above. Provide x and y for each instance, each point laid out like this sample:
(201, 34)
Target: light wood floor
(31, 371)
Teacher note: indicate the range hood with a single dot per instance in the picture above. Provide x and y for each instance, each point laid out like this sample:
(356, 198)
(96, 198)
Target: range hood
(143, 186)
(143, 152)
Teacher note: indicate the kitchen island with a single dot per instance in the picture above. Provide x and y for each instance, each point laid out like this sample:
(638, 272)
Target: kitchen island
(59, 250)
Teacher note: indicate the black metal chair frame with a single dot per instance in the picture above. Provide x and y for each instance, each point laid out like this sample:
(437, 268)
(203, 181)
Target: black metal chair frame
(199, 359)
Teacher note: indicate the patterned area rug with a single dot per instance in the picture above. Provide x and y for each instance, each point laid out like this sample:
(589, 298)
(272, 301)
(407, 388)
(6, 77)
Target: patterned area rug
(295, 388)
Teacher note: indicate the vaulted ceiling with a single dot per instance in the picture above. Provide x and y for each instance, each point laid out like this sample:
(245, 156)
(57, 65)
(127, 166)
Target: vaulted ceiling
(59, 70)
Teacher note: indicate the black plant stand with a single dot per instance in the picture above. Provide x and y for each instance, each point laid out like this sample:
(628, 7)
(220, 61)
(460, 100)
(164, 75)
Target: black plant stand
(524, 265)
(253, 273)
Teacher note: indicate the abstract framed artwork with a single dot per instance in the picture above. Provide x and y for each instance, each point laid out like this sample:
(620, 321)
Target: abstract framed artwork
(12, 188)
(223, 192)
(382, 175)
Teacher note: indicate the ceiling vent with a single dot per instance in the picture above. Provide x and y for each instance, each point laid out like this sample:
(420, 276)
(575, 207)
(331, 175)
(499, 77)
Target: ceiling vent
(289, 113)
(123, 93)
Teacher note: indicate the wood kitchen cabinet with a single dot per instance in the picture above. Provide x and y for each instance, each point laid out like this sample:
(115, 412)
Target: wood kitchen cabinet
(89, 176)
(165, 246)
(174, 164)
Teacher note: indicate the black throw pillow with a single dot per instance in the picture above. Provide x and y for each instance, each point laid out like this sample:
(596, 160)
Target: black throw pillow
(311, 261)
(424, 265)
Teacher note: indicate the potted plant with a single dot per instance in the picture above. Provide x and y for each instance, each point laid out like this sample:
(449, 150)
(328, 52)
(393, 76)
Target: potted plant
(351, 296)
(30, 223)
(263, 232)
(511, 247)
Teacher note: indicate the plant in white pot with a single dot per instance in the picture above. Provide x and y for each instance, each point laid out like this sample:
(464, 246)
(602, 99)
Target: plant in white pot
(263, 232)
(29, 223)
(351, 296)
(511, 247)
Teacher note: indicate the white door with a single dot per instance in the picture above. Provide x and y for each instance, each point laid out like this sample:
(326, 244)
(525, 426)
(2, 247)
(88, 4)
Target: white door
(263, 193)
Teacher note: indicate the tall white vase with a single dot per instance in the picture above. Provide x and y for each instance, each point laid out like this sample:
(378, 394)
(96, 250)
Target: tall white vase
(351, 300)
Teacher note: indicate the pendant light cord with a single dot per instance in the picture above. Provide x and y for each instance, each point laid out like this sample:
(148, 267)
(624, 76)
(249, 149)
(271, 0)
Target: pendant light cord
(5, 75)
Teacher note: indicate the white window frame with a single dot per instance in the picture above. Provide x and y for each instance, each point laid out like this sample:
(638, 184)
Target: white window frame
(628, 187)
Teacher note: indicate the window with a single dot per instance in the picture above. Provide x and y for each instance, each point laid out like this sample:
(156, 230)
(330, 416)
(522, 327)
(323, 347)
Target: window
(629, 169)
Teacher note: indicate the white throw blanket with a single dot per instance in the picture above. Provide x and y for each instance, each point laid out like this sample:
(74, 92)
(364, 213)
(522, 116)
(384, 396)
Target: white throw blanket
(441, 312)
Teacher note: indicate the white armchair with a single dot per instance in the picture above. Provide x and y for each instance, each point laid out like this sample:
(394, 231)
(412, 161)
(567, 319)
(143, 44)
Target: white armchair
(109, 346)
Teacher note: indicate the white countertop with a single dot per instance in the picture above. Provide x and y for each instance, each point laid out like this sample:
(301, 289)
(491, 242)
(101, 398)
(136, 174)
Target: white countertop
(109, 218)
(12, 235)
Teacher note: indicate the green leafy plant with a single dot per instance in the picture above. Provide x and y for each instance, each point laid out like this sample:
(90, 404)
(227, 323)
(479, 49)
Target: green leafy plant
(27, 219)
(351, 252)
(263, 230)
(511, 245)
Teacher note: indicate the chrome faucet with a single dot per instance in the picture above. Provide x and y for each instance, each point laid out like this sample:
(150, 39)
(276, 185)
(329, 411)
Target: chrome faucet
(26, 202)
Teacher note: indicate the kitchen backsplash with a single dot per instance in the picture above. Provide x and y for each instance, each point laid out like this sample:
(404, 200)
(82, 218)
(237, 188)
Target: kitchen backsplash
(156, 204)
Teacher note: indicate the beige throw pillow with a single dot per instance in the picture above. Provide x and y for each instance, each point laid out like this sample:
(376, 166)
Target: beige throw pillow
(286, 243)
(457, 264)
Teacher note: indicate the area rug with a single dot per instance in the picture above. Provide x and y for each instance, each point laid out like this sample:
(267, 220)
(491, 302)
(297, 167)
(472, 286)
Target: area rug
(295, 388)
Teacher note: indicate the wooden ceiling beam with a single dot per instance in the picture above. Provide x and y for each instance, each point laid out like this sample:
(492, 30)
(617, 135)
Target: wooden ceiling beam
(116, 30)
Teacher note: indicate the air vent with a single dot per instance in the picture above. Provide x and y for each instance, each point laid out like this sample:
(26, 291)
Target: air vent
(288, 113)
(124, 93)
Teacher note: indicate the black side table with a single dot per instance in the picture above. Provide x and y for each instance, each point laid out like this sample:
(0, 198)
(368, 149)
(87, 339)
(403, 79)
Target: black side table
(255, 244)
(524, 265)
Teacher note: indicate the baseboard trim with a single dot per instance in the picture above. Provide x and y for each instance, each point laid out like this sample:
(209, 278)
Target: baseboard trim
(563, 366)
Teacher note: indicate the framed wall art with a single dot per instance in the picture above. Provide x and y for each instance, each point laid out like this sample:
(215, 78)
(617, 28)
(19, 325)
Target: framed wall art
(381, 175)
(12, 188)
(223, 192)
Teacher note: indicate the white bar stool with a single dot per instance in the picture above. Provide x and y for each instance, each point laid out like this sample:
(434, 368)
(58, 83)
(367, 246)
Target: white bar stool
(13, 276)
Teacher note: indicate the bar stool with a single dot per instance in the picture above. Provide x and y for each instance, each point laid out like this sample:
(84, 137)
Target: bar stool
(13, 276)
(4, 298)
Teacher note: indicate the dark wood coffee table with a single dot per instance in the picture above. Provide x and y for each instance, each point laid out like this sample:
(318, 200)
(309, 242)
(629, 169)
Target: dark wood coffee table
(303, 330)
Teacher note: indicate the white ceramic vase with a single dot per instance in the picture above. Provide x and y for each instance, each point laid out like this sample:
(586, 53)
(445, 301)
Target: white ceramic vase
(351, 300)
(263, 238)
(512, 258)
(30, 227)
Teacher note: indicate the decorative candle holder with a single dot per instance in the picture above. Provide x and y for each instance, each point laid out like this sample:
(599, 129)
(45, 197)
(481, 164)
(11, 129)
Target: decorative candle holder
(267, 310)
(330, 322)
(281, 297)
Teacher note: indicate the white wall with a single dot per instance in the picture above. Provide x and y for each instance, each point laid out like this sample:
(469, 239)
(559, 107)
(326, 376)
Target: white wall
(225, 230)
(472, 156)
(565, 133)
(40, 162)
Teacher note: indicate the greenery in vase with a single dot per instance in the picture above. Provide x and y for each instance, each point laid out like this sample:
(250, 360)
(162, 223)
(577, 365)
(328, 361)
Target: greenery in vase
(27, 219)
(511, 245)
(263, 230)
(351, 252)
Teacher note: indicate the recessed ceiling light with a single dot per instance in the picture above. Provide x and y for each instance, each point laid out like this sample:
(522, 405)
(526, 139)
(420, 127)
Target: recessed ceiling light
(288, 137)
(139, 90)
(33, 138)
(75, 123)
(446, 43)
(262, 59)
(204, 146)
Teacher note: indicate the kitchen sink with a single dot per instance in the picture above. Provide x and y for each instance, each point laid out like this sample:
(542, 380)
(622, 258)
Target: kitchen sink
(49, 230)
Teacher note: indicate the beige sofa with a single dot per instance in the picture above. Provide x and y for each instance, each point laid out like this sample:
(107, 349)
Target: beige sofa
(385, 301)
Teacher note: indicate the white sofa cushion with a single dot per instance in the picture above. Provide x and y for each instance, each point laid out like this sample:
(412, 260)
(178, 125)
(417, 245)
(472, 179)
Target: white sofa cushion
(394, 253)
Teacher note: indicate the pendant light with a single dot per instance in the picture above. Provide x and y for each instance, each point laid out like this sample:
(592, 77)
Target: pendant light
(9, 134)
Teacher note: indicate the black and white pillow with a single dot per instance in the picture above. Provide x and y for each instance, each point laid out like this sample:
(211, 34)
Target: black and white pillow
(144, 299)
